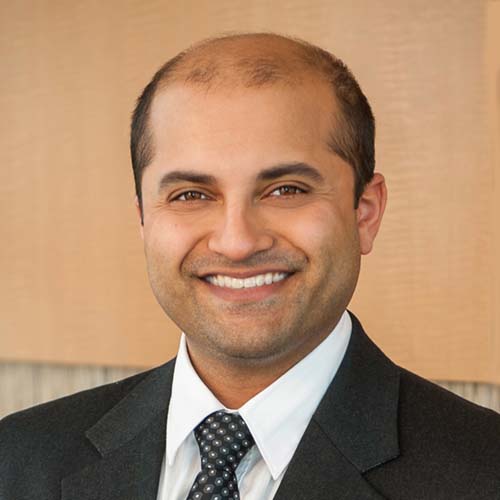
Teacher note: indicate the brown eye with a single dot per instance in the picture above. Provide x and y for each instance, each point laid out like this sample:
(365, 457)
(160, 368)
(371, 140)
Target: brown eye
(286, 190)
(191, 196)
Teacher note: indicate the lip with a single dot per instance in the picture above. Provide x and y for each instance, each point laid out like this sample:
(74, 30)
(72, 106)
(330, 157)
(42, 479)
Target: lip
(246, 295)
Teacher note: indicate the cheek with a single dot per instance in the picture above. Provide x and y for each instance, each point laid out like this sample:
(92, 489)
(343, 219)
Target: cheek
(319, 230)
(167, 242)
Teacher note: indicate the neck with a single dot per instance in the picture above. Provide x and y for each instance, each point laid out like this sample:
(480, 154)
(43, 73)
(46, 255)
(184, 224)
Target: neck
(236, 381)
(233, 386)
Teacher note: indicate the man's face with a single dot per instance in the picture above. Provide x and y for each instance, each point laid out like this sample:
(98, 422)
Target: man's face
(250, 232)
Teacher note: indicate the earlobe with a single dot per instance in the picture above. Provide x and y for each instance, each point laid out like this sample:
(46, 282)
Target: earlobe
(370, 211)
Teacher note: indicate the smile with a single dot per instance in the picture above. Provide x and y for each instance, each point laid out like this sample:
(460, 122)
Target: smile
(251, 282)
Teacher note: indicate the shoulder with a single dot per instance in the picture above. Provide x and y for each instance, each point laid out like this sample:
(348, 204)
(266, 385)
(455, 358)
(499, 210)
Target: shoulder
(446, 440)
(426, 408)
(79, 409)
(46, 442)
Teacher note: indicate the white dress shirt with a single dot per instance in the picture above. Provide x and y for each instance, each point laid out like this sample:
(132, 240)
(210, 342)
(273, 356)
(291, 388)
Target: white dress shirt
(277, 418)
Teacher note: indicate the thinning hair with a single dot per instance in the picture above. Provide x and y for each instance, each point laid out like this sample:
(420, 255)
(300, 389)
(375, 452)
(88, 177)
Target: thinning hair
(255, 60)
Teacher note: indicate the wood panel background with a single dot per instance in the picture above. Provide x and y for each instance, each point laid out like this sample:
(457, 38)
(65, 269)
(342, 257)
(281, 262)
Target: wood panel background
(74, 287)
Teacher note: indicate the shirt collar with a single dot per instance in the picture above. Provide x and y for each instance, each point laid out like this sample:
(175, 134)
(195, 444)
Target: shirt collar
(191, 401)
(276, 420)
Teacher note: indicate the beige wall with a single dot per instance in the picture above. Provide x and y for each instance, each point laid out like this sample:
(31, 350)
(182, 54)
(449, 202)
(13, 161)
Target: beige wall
(74, 289)
(493, 106)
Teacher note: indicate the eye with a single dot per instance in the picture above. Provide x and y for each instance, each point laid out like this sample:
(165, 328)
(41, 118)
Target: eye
(190, 196)
(286, 190)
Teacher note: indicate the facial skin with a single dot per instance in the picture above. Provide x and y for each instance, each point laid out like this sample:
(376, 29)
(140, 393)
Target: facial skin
(250, 187)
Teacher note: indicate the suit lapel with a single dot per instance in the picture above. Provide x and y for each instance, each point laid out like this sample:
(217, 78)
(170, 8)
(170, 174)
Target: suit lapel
(319, 470)
(131, 441)
(354, 429)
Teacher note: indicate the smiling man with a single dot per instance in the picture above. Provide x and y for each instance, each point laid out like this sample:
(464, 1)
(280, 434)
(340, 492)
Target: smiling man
(250, 229)
(253, 158)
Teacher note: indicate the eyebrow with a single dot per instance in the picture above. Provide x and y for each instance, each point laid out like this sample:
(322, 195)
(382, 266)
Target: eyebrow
(268, 174)
(185, 176)
(283, 169)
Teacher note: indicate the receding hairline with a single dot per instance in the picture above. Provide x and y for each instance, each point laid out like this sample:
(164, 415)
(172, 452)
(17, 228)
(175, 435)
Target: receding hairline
(257, 60)
(247, 60)
(209, 68)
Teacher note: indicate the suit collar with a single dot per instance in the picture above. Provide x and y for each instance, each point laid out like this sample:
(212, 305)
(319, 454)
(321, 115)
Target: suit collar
(135, 412)
(359, 412)
(130, 439)
(354, 429)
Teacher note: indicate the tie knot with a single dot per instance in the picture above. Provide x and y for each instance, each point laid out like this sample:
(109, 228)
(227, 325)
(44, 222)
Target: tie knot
(223, 439)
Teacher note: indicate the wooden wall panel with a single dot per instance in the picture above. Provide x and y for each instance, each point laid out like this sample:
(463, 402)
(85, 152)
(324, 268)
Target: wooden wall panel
(493, 107)
(74, 288)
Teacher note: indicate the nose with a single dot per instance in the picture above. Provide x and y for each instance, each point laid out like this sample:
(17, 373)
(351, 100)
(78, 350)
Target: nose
(239, 233)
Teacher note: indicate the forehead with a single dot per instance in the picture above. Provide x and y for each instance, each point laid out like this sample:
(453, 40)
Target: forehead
(187, 120)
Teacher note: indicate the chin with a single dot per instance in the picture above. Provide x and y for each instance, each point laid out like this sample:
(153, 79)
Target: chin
(248, 346)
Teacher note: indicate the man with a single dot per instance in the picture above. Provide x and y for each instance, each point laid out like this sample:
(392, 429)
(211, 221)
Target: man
(253, 158)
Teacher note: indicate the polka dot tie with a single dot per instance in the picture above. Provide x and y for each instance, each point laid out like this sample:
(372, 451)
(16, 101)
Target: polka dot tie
(223, 439)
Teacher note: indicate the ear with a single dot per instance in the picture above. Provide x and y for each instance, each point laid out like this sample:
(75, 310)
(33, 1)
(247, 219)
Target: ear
(370, 210)
(139, 212)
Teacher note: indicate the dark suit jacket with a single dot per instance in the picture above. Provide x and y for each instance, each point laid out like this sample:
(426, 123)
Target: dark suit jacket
(380, 432)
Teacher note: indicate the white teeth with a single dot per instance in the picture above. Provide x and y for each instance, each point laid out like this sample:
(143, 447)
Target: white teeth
(249, 282)
(253, 281)
(237, 283)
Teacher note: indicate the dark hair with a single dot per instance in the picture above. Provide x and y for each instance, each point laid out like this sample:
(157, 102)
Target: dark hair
(352, 137)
